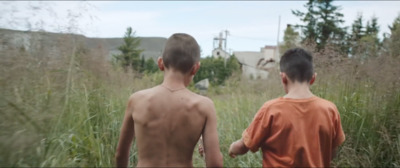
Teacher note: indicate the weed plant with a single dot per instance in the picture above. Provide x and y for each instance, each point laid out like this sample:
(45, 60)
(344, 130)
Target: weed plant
(67, 110)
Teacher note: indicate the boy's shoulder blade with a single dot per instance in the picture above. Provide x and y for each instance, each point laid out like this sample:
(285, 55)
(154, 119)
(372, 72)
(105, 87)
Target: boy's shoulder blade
(205, 101)
(204, 104)
(141, 93)
(200, 98)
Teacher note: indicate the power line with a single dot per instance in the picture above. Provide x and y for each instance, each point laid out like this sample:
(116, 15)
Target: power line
(249, 38)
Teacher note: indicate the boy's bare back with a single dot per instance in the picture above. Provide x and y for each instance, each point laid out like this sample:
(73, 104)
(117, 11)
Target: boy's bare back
(168, 120)
(169, 124)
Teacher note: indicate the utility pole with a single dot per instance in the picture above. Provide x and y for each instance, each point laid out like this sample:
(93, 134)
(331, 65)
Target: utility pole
(225, 49)
(277, 40)
(226, 39)
(222, 47)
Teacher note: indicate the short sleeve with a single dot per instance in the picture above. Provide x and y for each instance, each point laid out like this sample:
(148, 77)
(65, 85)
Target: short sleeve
(256, 133)
(339, 136)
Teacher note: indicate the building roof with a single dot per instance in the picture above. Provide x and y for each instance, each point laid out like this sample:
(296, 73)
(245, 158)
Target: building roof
(269, 47)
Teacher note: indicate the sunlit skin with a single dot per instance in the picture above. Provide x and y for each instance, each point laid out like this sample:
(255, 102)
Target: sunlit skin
(167, 121)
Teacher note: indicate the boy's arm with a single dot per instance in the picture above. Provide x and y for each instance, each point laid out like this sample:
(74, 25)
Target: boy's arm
(339, 134)
(212, 151)
(126, 136)
(237, 148)
(253, 136)
(334, 153)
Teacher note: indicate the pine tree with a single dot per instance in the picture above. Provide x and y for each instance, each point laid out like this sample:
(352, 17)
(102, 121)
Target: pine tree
(357, 28)
(322, 22)
(310, 29)
(142, 64)
(394, 40)
(372, 27)
(363, 40)
(130, 53)
(150, 66)
(370, 43)
(357, 32)
(290, 39)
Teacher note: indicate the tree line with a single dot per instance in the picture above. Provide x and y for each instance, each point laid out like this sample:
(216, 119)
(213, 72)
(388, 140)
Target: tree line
(217, 70)
(130, 56)
(321, 25)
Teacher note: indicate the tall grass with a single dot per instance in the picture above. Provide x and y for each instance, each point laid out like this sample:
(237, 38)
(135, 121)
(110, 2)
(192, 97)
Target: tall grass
(67, 111)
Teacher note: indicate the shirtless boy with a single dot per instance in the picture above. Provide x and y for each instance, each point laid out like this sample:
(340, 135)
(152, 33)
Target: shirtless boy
(168, 120)
(297, 130)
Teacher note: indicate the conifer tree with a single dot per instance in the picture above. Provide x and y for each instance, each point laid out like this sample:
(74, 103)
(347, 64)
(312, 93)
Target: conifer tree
(357, 32)
(370, 43)
(394, 40)
(290, 39)
(130, 53)
(321, 23)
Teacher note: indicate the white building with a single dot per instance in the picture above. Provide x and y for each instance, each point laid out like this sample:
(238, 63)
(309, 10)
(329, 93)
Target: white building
(255, 65)
(219, 52)
(219, 45)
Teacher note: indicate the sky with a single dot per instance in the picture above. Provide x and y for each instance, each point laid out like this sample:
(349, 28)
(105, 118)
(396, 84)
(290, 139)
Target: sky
(251, 24)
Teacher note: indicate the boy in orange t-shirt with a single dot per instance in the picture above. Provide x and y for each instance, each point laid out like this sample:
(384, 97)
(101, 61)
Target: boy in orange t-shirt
(297, 130)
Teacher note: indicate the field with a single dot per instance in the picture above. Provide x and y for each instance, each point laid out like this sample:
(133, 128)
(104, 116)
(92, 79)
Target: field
(68, 111)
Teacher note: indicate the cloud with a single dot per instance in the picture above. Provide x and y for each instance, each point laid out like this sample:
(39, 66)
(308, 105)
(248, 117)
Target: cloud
(113, 24)
(252, 24)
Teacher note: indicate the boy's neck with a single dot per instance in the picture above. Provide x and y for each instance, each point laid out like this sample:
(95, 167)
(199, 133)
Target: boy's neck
(298, 90)
(175, 80)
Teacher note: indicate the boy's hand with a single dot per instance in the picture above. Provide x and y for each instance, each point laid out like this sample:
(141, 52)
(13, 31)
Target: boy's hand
(237, 148)
(201, 150)
(232, 153)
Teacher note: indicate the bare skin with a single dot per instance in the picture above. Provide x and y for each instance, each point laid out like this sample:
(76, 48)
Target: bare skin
(167, 122)
(237, 148)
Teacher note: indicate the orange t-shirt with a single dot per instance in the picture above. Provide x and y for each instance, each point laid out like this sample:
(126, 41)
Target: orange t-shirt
(295, 132)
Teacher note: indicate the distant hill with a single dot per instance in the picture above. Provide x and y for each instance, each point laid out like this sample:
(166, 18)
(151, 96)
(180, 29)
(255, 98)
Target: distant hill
(31, 40)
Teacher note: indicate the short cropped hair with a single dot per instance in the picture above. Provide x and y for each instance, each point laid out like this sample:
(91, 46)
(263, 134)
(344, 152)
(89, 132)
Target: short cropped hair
(297, 63)
(181, 52)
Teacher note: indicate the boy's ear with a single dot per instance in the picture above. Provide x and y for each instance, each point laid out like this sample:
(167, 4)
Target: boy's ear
(313, 78)
(284, 78)
(195, 68)
(160, 63)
